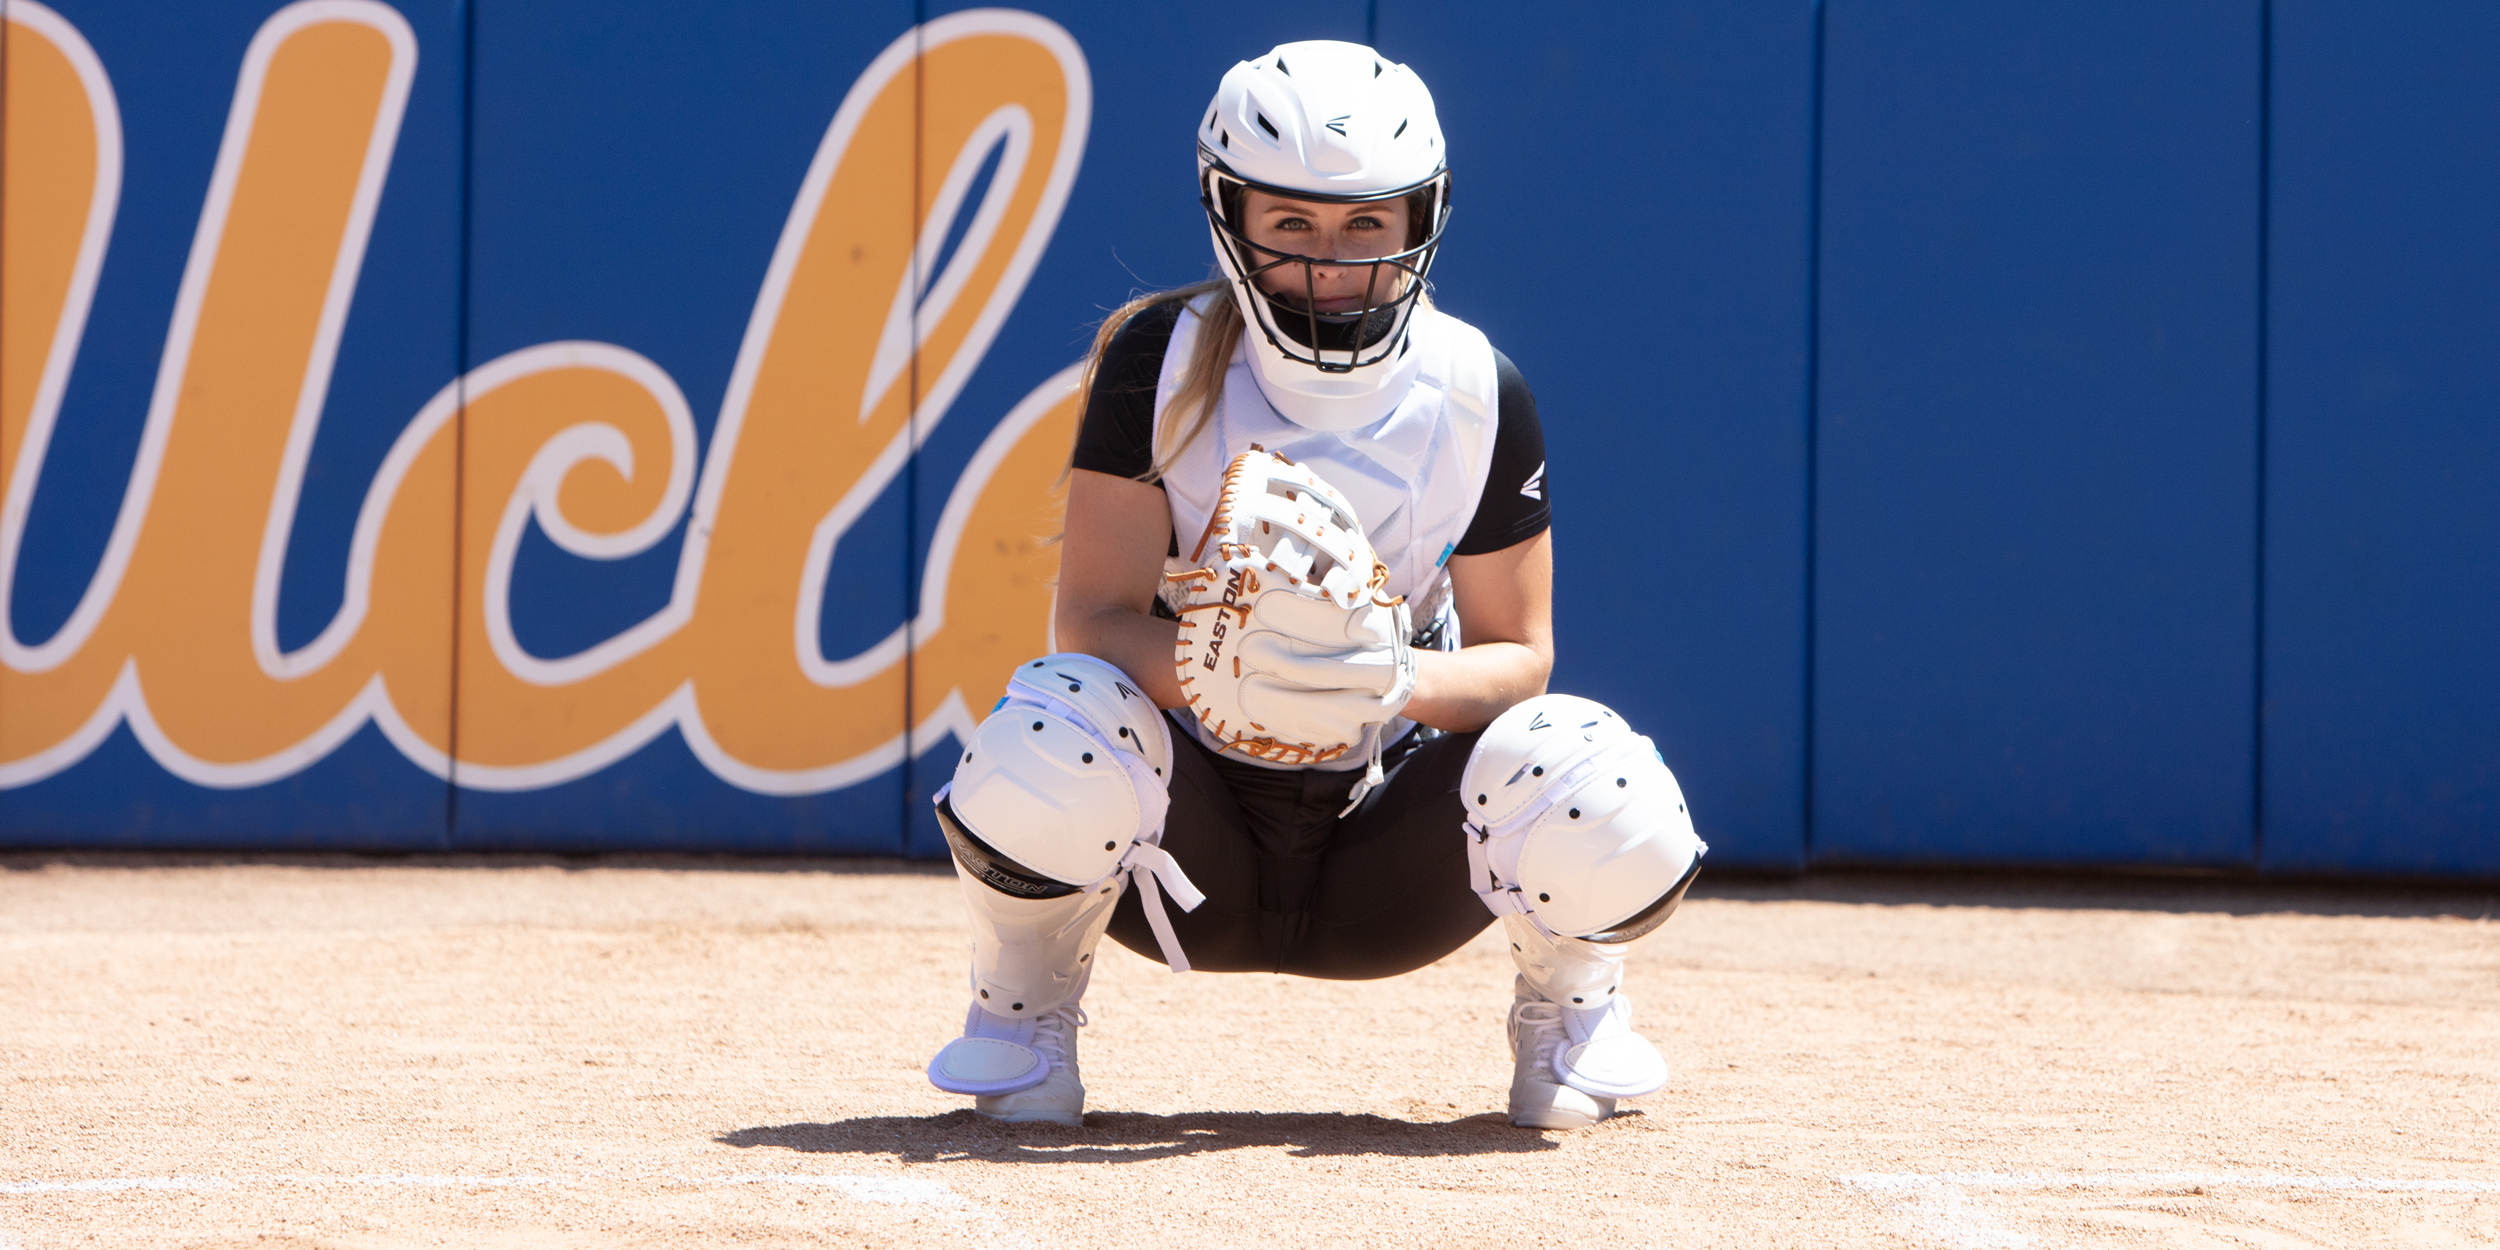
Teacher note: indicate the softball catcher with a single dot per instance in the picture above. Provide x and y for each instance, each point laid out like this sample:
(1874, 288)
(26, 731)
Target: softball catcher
(1306, 590)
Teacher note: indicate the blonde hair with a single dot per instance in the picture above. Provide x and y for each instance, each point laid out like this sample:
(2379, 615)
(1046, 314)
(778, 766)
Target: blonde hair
(1201, 385)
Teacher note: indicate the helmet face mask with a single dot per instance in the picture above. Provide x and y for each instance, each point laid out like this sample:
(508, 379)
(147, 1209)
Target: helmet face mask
(1286, 312)
(1332, 125)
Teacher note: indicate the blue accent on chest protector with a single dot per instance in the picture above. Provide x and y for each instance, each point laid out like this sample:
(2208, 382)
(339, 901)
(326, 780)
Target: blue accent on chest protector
(1446, 549)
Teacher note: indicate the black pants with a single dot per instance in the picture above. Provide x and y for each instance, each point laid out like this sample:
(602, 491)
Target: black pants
(1292, 888)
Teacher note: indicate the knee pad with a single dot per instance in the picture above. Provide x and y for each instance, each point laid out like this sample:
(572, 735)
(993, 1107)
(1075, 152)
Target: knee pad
(1066, 773)
(1575, 825)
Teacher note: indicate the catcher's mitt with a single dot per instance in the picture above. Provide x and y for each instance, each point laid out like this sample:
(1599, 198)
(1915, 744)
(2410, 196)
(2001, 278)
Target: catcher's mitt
(1290, 645)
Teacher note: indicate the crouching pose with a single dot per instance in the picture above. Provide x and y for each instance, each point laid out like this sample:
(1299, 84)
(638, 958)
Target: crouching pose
(1306, 591)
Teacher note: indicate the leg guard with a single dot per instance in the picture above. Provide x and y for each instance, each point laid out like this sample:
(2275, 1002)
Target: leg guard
(1581, 984)
(1055, 806)
(1579, 840)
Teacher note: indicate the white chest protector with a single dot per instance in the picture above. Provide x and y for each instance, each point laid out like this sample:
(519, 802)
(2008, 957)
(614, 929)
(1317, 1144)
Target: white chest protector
(1414, 476)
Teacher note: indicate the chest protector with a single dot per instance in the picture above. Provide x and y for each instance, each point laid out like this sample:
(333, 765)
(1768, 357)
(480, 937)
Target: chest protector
(1414, 476)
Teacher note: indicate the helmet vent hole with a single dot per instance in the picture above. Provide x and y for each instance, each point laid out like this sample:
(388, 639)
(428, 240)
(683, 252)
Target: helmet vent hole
(1621, 782)
(1575, 813)
(1089, 757)
(1537, 771)
(1375, 69)
(1074, 688)
(1401, 125)
(1225, 137)
(1037, 726)
(1545, 898)
(1124, 733)
(1679, 807)
(1479, 800)
(1269, 127)
(1110, 846)
(1280, 67)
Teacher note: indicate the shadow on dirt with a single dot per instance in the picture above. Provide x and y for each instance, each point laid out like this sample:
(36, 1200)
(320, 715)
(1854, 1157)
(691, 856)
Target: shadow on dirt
(1117, 1137)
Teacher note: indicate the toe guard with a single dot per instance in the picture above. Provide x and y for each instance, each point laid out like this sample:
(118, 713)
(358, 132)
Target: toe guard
(987, 1065)
(1620, 1065)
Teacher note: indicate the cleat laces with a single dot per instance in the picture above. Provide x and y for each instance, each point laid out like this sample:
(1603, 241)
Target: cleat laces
(1052, 1031)
(1541, 1028)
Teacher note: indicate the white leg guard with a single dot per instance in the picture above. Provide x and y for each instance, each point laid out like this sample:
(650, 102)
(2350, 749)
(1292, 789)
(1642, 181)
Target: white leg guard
(1032, 955)
(1055, 806)
(1579, 840)
(1030, 958)
(1598, 1054)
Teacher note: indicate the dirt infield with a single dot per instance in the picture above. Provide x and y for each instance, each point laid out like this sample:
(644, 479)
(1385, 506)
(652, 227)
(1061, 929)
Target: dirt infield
(545, 1053)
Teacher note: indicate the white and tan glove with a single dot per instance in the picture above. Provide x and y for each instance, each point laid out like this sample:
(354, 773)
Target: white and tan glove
(1290, 647)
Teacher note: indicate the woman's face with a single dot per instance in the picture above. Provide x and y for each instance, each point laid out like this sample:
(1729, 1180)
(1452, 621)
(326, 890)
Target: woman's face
(1351, 232)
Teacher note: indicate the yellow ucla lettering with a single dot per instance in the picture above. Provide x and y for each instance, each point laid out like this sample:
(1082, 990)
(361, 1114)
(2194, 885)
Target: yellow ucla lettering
(176, 634)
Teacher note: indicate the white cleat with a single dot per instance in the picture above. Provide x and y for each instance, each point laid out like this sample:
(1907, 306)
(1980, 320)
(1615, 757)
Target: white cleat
(1059, 1097)
(1569, 1065)
(1020, 1071)
(1537, 1100)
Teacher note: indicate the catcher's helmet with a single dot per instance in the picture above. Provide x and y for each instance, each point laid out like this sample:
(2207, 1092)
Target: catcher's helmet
(1333, 123)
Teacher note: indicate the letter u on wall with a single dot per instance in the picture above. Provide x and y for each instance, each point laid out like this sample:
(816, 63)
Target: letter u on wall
(554, 574)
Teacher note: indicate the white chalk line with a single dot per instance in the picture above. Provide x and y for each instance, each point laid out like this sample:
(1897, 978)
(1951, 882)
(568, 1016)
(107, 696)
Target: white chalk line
(117, 1184)
(894, 1191)
(1938, 1206)
(1881, 1181)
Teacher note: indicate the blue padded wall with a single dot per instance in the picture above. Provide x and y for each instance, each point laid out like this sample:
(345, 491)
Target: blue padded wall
(1652, 289)
(2047, 434)
(174, 71)
(633, 165)
(2382, 728)
(2037, 431)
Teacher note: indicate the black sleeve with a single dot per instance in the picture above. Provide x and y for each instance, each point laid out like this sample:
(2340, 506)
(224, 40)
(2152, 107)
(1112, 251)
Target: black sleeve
(1117, 435)
(1513, 508)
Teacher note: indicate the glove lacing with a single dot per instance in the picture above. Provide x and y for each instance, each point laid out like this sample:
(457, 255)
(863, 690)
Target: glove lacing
(1372, 777)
